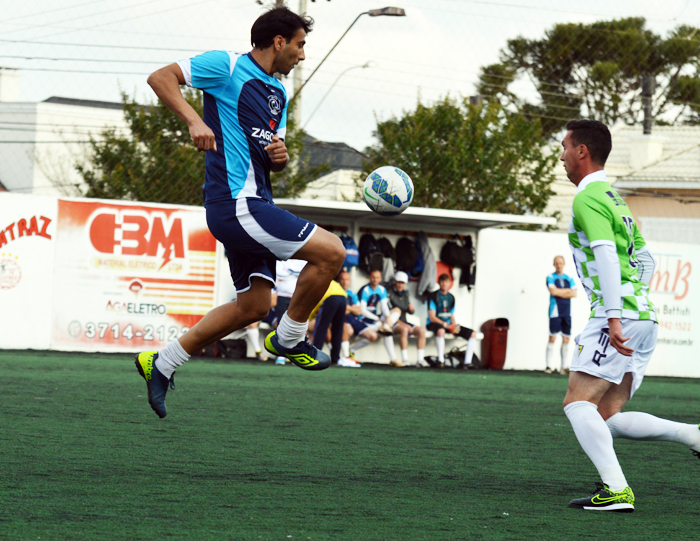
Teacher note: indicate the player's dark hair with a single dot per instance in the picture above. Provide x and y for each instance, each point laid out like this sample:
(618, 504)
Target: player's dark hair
(443, 277)
(278, 21)
(595, 135)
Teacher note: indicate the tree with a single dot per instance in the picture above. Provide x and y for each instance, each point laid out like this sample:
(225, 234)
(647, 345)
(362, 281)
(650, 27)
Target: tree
(155, 160)
(596, 71)
(468, 157)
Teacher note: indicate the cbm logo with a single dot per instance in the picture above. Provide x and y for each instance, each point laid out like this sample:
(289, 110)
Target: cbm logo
(137, 233)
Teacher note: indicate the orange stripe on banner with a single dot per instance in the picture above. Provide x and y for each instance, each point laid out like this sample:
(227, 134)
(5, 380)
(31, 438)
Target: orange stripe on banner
(169, 281)
(190, 289)
(203, 297)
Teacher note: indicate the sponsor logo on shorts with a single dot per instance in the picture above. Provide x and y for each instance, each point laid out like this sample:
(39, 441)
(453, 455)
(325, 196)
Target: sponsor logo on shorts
(303, 229)
(603, 342)
(580, 349)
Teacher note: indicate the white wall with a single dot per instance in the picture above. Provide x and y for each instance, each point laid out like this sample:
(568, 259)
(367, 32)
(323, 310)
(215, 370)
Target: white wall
(510, 283)
(41, 142)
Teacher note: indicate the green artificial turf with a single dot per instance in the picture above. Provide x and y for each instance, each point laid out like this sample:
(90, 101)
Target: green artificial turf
(251, 450)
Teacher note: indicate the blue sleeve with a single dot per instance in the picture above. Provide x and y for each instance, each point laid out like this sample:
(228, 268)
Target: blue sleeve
(353, 297)
(572, 282)
(382, 293)
(364, 294)
(550, 281)
(211, 70)
(431, 305)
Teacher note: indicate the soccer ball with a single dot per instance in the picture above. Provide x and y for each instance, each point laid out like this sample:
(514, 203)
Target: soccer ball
(388, 191)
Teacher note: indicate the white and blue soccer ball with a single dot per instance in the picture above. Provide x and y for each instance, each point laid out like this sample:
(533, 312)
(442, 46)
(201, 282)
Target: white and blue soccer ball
(388, 191)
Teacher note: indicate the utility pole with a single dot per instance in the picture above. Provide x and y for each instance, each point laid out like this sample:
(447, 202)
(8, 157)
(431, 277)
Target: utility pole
(295, 111)
(648, 87)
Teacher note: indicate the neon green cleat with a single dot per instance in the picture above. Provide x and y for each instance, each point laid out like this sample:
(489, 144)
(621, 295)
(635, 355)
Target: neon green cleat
(604, 499)
(304, 355)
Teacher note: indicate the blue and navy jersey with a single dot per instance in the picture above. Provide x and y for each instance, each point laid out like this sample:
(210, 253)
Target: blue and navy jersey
(444, 305)
(244, 107)
(352, 297)
(559, 307)
(373, 298)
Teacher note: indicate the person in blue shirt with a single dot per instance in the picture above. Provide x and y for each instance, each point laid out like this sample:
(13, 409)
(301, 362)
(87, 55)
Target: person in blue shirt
(242, 132)
(562, 289)
(374, 310)
(441, 319)
(366, 332)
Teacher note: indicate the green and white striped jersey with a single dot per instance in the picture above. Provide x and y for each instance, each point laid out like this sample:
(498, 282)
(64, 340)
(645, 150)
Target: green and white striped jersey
(600, 216)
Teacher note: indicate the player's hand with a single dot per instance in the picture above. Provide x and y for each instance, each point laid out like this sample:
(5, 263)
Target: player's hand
(616, 338)
(202, 137)
(277, 151)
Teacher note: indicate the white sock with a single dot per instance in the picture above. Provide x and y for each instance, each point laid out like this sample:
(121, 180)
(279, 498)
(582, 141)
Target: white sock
(421, 356)
(345, 348)
(362, 342)
(564, 355)
(471, 344)
(404, 355)
(440, 343)
(254, 338)
(634, 425)
(290, 332)
(550, 354)
(597, 442)
(170, 358)
(389, 345)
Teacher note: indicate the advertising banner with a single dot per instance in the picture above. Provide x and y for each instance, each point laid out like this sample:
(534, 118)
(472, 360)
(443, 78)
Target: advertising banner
(27, 240)
(129, 277)
(675, 291)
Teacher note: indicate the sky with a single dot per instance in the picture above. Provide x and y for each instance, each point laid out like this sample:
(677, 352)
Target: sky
(96, 49)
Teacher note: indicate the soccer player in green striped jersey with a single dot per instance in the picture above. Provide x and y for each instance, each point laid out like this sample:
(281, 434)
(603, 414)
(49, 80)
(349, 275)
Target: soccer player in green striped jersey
(613, 351)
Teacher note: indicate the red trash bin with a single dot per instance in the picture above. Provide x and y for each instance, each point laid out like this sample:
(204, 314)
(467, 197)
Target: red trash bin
(493, 346)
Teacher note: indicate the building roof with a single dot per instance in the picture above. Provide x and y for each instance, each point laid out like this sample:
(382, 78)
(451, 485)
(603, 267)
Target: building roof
(412, 219)
(85, 103)
(678, 167)
(336, 155)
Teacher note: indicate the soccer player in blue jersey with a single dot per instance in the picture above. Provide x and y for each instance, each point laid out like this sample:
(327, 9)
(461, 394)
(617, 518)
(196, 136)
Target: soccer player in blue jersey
(374, 310)
(242, 132)
(441, 319)
(562, 289)
(353, 325)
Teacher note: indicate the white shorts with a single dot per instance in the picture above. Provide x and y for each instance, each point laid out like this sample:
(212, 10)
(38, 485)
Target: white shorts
(597, 357)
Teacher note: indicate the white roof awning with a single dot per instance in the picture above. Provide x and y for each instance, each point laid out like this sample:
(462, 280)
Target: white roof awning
(412, 219)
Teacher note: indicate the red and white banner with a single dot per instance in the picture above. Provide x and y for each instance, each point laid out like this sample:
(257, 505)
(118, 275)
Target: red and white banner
(129, 277)
(27, 240)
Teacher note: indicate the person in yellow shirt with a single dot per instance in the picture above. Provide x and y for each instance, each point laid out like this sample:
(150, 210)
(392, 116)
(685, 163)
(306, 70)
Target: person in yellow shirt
(330, 312)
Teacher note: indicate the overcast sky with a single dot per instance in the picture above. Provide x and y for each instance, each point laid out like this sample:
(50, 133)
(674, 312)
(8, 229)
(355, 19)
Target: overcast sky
(93, 49)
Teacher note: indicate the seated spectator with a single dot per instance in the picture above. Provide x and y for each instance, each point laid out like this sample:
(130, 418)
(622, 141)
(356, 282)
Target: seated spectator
(441, 314)
(400, 299)
(330, 313)
(374, 309)
(353, 325)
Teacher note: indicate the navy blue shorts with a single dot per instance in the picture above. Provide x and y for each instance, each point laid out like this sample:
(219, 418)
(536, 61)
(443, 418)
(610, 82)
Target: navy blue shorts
(560, 325)
(256, 234)
(357, 325)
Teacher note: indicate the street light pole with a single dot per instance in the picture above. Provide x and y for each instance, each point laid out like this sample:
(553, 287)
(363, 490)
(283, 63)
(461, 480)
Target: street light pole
(363, 66)
(387, 11)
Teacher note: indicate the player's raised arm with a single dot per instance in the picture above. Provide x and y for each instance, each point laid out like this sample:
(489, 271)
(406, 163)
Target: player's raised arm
(166, 82)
